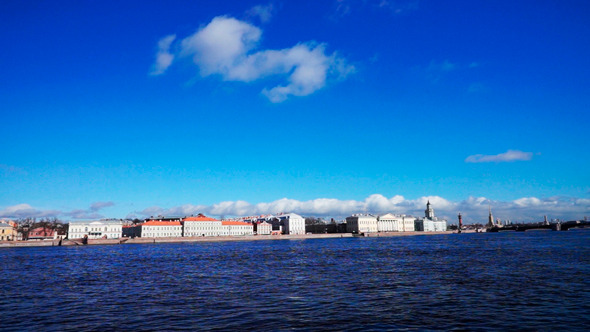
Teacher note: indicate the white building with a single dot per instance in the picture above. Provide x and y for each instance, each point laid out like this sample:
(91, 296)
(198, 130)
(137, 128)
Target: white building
(202, 226)
(110, 229)
(395, 223)
(237, 228)
(154, 228)
(361, 223)
(430, 223)
(292, 223)
(263, 228)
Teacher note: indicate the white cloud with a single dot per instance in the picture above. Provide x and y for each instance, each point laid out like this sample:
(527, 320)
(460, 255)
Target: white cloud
(473, 209)
(83, 214)
(26, 211)
(264, 13)
(227, 47)
(508, 156)
(163, 58)
(90, 213)
(100, 205)
(528, 202)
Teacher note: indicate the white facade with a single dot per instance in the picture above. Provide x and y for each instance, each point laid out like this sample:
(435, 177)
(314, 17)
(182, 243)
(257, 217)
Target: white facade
(393, 223)
(292, 223)
(111, 229)
(389, 223)
(161, 229)
(263, 228)
(237, 228)
(203, 226)
(361, 223)
(408, 224)
(434, 225)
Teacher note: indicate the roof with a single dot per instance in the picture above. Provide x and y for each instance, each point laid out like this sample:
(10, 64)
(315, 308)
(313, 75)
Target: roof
(97, 222)
(4, 225)
(289, 216)
(235, 223)
(200, 218)
(161, 223)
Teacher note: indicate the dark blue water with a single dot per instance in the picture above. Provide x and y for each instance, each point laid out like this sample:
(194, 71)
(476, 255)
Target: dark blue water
(501, 281)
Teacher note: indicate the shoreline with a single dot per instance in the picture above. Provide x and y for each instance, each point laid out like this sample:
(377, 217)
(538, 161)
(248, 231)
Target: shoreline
(139, 240)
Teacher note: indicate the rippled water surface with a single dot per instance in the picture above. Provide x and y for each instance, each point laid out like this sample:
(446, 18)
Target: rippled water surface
(501, 281)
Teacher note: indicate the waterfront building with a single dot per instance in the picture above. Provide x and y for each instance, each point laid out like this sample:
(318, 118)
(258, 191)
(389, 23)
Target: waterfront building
(388, 223)
(109, 229)
(237, 228)
(7, 232)
(395, 223)
(202, 225)
(263, 228)
(361, 223)
(131, 230)
(491, 222)
(161, 229)
(42, 233)
(430, 223)
(292, 223)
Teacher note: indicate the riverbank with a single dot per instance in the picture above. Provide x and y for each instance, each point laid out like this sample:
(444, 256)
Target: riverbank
(140, 240)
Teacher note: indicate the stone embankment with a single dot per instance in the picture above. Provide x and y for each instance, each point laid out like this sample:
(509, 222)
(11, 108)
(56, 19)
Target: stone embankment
(140, 240)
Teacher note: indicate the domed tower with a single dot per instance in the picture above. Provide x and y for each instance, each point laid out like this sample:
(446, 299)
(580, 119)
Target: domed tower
(429, 212)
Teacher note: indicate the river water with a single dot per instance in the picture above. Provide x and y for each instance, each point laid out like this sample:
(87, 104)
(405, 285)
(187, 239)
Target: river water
(492, 281)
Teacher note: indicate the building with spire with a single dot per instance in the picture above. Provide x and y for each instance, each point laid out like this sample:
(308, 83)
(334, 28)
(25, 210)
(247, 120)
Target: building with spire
(491, 222)
(430, 223)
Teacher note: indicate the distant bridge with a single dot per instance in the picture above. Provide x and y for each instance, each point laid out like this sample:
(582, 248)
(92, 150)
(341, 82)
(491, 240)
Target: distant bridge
(564, 226)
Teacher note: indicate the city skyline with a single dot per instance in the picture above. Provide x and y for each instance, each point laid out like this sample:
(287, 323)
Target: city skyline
(326, 109)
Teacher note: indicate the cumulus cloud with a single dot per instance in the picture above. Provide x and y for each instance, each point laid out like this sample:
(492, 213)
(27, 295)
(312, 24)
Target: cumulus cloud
(508, 156)
(163, 57)
(26, 211)
(473, 209)
(228, 47)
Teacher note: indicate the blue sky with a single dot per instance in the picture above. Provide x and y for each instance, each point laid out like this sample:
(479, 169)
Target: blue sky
(116, 109)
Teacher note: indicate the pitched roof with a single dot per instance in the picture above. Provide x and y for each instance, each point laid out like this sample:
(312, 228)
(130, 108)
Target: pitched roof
(235, 223)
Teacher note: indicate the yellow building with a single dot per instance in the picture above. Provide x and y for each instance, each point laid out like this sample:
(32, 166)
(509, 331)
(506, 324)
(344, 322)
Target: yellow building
(7, 232)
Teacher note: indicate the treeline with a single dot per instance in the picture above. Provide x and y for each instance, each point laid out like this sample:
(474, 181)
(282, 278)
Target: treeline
(25, 225)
